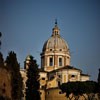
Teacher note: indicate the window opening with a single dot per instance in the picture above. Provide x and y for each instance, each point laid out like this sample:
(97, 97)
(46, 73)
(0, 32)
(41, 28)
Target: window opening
(60, 92)
(50, 49)
(51, 62)
(43, 78)
(60, 61)
(73, 76)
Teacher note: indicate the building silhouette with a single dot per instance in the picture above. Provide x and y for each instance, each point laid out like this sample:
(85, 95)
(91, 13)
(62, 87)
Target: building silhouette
(55, 67)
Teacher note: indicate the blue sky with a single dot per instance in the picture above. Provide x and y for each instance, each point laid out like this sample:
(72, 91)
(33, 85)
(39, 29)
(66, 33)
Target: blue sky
(27, 24)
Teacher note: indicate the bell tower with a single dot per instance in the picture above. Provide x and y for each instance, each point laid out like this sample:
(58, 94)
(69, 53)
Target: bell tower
(27, 61)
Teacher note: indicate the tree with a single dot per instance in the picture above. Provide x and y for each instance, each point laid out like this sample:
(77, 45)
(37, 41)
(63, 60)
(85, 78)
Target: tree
(1, 60)
(79, 89)
(32, 83)
(90, 88)
(72, 89)
(4, 98)
(99, 84)
(99, 77)
(16, 79)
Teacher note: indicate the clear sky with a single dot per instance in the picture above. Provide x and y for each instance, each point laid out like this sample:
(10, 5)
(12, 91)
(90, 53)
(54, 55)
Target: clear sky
(27, 24)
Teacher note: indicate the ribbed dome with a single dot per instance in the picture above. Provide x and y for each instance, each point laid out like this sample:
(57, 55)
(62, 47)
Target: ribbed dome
(55, 42)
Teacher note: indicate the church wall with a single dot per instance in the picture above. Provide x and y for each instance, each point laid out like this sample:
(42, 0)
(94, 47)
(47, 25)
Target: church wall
(67, 60)
(45, 58)
(56, 61)
(84, 78)
(42, 94)
(52, 83)
(55, 94)
(64, 76)
(70, 75)
(74, 75)
(43, 79)
(23, 74)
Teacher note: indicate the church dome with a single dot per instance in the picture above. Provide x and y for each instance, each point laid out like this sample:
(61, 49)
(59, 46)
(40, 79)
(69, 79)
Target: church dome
(55, 42)
(55, 53)
(29, 58)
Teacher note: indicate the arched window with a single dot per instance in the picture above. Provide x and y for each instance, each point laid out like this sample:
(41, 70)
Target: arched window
(50, 61)
(60, 61)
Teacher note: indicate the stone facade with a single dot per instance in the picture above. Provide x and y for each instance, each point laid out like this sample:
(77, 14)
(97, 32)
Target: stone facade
(55, 67)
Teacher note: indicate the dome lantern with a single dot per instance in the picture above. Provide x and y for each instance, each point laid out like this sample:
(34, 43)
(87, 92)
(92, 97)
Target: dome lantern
(55, 30)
